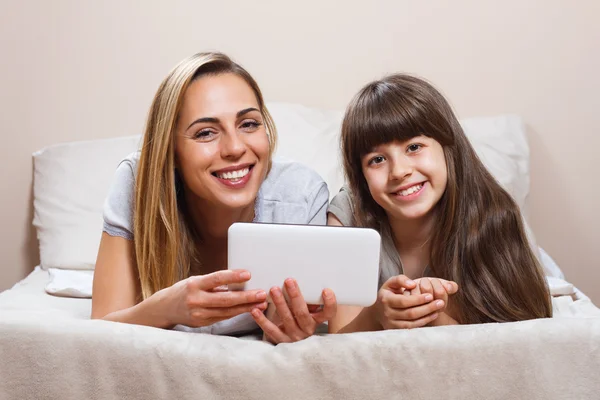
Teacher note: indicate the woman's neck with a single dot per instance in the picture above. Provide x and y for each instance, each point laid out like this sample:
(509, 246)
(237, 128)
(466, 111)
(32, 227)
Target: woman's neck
(211, 225)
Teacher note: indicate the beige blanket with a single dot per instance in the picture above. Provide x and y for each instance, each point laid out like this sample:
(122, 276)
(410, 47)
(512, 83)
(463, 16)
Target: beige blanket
(49, 350)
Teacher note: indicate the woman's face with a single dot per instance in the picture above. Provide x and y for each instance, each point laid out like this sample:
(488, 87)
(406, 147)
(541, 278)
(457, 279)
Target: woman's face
(407, 179)
(221, 144)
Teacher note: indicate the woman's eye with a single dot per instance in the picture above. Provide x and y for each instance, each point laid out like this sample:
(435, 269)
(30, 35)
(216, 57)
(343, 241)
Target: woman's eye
(250, 125)
(376, 160)
(204, 134)
(413, 147)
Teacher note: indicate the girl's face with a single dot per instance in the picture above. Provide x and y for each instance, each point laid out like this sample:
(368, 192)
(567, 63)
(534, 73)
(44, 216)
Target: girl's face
(407, 179)
(221, 144)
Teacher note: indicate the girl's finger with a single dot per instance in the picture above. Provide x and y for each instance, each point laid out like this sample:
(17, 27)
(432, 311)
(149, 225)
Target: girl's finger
(439, 292)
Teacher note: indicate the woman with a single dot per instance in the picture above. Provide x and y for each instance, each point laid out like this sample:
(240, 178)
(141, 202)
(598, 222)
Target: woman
(206, 162)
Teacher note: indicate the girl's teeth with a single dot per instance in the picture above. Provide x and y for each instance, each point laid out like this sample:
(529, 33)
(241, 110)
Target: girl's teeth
(411, 190)
(234, 174)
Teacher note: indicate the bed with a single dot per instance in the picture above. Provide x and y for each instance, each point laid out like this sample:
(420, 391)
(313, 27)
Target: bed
(50, 349)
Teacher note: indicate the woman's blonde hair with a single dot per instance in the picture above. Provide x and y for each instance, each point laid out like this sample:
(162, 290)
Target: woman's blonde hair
(164, 238)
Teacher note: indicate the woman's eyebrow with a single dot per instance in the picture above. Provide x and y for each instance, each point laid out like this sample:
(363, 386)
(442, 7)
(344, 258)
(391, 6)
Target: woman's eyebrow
(245, 111)
(216, 120)
(205, 119)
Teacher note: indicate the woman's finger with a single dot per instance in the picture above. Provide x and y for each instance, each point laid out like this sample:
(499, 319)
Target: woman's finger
(299, 307)
(274, 333)
(220, 278)
(202, 315)
(329, 307)
(284, 312)
(230, 299)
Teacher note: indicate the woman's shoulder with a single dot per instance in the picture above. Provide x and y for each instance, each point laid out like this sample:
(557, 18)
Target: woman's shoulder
(130, 161)
(291, 181)
(118, 206)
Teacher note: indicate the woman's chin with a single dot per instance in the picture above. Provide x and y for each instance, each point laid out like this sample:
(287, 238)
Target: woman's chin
(239, 200)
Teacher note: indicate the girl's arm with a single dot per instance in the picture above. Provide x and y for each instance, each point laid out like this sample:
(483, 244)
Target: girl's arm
(444, 319)
(354, 319)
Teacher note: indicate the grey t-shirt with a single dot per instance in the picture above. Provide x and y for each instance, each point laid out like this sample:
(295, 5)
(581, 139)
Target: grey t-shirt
(292, 194)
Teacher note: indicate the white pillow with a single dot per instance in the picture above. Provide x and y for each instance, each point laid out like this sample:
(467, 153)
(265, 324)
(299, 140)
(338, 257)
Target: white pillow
(71, 180)
(311, 136)
(70, 183)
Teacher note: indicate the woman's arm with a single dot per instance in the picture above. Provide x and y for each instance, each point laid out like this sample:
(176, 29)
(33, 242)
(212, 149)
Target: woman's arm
(195, 301)
(116, 288)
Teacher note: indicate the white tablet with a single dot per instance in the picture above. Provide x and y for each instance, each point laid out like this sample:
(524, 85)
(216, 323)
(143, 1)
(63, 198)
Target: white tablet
(343, 259)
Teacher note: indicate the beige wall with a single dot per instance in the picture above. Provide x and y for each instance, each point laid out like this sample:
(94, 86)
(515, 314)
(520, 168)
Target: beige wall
(75, 70)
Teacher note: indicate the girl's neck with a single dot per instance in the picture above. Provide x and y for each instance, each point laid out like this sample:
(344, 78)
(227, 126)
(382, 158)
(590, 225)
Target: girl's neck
(412, 241)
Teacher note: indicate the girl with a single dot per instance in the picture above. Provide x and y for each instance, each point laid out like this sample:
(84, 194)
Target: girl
(206, 162)
(445, 221)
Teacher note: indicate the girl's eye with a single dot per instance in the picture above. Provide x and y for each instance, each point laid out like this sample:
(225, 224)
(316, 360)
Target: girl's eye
(414, 147)
(376, 160)
(204, 134)
(250, 125)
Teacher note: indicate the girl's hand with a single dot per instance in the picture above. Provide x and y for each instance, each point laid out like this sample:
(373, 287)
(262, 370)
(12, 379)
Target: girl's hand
(203, 300)
(397, 309)
(297, 320)
(441, 289)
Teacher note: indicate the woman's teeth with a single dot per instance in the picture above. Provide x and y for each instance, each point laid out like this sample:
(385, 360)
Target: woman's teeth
(234, 175)
(411, 190)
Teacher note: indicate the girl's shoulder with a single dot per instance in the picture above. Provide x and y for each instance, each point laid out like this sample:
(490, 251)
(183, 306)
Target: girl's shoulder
(342, 208)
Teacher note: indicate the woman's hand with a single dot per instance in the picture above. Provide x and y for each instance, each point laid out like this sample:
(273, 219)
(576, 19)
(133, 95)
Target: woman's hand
(294, 319)
(203, 300)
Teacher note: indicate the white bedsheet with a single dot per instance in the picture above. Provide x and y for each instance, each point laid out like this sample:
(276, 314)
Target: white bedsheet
(50, 349)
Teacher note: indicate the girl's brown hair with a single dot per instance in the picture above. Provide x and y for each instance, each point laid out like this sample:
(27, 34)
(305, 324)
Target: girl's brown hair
(163, 238)
(478, 240)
